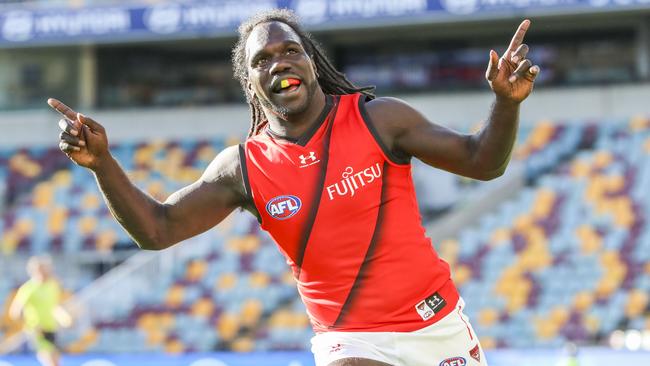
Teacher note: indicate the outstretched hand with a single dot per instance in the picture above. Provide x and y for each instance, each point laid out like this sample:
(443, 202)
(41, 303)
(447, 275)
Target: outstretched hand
(82, 139)
(512, 75)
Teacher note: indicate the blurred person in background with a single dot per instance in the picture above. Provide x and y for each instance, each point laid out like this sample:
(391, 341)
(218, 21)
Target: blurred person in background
(38, 304)
(326, 170)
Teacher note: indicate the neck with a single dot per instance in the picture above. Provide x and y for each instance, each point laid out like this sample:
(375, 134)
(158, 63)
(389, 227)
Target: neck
(295, 125)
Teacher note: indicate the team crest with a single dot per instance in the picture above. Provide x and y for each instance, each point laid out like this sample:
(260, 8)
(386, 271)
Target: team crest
(283, 207)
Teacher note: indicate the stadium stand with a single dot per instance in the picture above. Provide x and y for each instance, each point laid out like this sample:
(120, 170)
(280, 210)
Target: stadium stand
(564, 260)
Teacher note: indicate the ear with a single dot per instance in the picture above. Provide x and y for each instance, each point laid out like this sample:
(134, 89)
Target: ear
(249, 86)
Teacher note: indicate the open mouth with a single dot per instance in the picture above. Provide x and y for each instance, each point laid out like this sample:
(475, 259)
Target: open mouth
(286, 85)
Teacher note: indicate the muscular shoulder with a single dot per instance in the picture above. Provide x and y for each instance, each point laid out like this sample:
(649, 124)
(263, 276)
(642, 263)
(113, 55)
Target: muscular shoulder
(225, 166)
(393, 118)
(225, 171)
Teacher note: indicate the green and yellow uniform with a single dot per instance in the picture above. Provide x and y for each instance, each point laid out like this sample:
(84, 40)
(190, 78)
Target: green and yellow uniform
(39, 300)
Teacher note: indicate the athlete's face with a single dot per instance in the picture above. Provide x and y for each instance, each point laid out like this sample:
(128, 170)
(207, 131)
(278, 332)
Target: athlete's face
(280, 72)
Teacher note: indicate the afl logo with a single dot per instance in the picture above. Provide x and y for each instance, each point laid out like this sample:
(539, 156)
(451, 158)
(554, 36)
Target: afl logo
(454, 361)
(283, 207)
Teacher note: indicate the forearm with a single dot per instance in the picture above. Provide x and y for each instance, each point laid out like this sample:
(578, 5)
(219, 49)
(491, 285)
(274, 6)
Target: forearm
(494, 143)
(138, 213)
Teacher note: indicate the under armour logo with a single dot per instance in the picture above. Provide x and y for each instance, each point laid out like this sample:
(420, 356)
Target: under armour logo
(308, 160)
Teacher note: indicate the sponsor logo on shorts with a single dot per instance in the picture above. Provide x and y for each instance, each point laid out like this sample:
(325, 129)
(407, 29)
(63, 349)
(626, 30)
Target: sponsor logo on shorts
(430, 306)
(475, 353)
(453, 361)
(283, 207)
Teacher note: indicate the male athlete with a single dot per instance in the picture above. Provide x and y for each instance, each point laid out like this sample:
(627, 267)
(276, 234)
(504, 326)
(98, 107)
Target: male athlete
(326, 171)
(38, 302)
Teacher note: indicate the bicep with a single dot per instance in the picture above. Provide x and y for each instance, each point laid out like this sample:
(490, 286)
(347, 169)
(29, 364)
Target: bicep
(206, 202)
(408, 132)
(439, 147)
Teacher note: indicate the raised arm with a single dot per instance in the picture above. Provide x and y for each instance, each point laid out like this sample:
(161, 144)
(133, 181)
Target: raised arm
(484, 155)
(152, 224)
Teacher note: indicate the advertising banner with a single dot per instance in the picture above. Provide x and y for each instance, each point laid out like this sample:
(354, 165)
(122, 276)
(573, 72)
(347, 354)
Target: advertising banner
(25, 25)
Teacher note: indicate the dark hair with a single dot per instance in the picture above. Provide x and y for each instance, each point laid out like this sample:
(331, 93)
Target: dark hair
(330, 80)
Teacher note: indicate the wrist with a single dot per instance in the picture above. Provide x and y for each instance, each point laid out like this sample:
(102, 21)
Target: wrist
(507, 102)
(103, 163)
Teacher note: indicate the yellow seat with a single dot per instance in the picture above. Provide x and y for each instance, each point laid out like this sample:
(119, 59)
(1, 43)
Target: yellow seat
(174, 346)
(637, 302)
(57, 220)
(488, 342)
(195, 270)
(461, 274)
(203, 308)
(90, 201)
(449, 249)
(228, 326)
(243, 344)
(155, 336)
(281, 318)
(62, 178)
(251, 312)
(259, 280)
(583, 301)
(488, 317)
(43, 195)
(500, 236)
(226, 281)
(106, 240)
(175, 296)
(87, 225)
(9, 241)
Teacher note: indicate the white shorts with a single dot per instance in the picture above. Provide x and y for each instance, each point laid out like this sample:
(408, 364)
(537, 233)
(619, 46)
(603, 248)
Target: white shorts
(449, 342)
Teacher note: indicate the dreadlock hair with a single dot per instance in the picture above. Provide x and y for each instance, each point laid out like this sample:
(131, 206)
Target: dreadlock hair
(330, 80)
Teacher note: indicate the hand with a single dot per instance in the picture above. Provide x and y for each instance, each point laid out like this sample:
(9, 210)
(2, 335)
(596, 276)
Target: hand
(511, 77)
(82, 139)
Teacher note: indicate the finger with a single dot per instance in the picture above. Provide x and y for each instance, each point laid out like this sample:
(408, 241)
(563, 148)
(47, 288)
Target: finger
(68, 112)
(519, 54)
(68, 127)
(94, 126)
(68, 148)
(532, 73)
(72, 140)
(518, 38)
(493, 66)
(523, 67)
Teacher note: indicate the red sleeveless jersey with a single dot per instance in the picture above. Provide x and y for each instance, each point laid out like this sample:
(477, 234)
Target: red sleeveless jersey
(343, 211)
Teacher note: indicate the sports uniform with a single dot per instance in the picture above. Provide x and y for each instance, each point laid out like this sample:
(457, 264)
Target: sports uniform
(343, 211)
(40, 299)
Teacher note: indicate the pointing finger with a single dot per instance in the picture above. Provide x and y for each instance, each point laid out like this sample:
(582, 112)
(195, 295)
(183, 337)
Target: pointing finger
(68, 112)
(518, 38)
